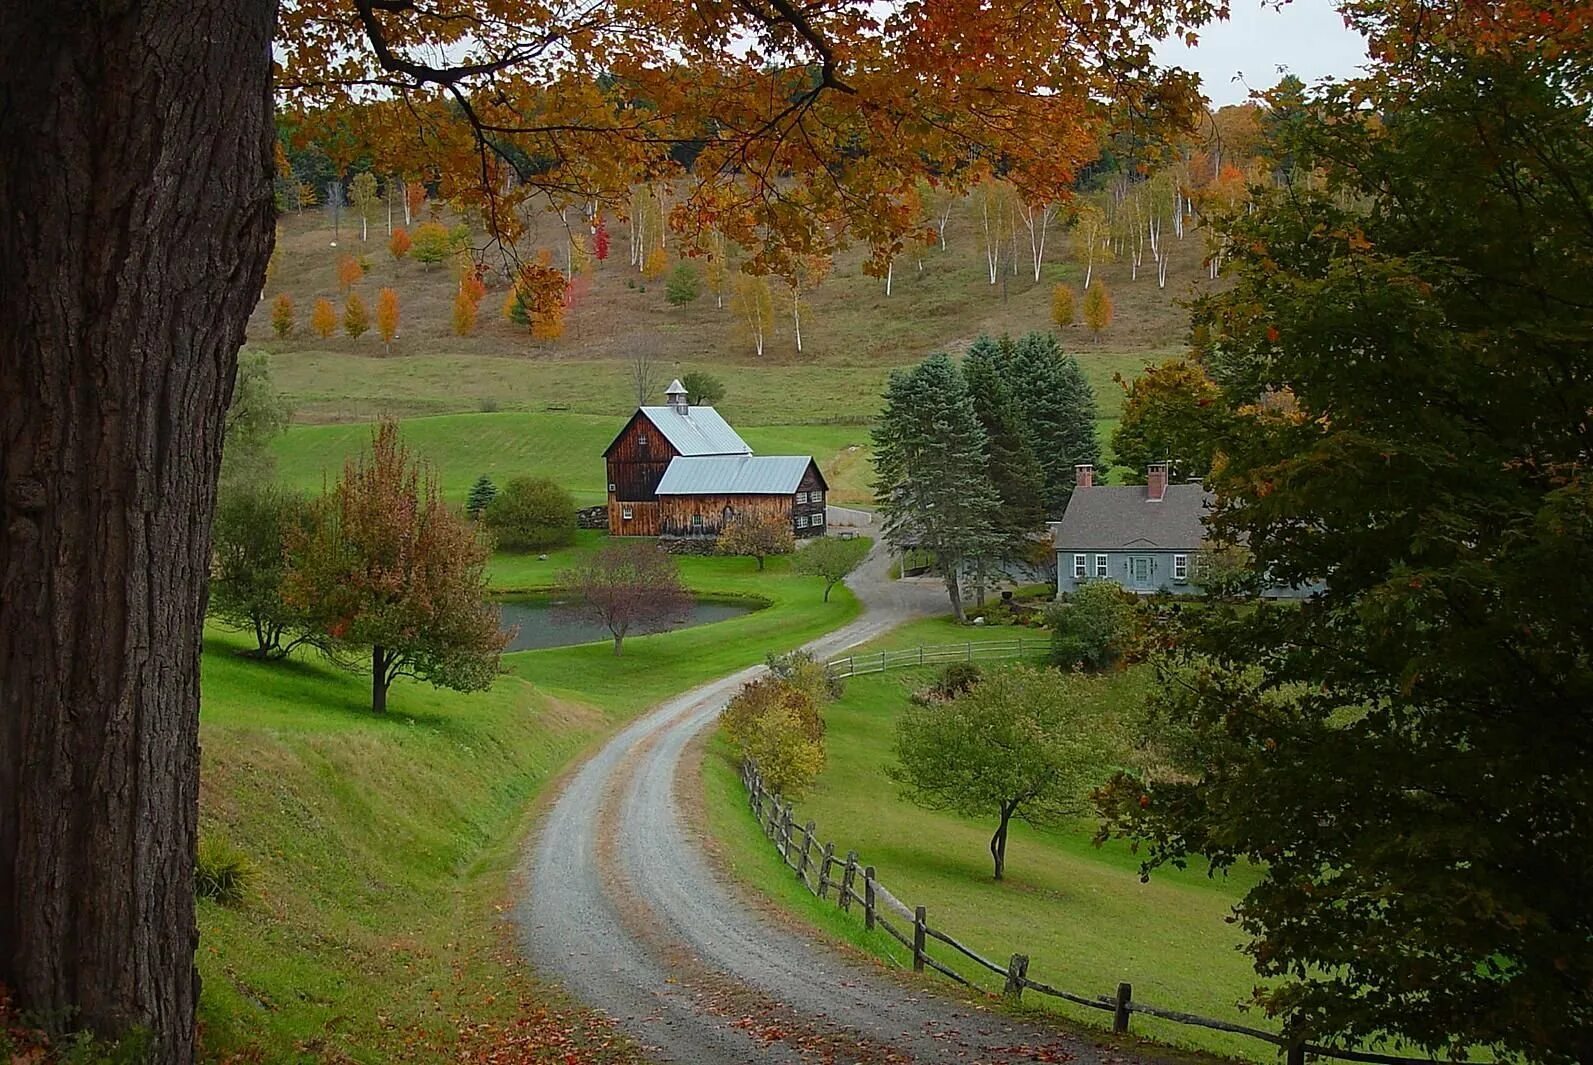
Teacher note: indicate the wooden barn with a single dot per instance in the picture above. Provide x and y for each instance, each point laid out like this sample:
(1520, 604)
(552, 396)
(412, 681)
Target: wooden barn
(679, 470)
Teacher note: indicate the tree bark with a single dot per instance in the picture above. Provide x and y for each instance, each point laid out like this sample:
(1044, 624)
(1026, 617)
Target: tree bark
(379, 682)
(998, 842)
(135, 225)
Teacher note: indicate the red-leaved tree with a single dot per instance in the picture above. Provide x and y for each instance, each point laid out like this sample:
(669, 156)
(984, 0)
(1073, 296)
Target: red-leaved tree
(387, 571)
(629, 586)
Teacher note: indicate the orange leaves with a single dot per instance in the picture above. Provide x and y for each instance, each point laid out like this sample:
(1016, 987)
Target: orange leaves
(398, 244)
(323, 318)
(349, 272)
(387, 316)
(538, 299)
(282, 315)
(464, 313)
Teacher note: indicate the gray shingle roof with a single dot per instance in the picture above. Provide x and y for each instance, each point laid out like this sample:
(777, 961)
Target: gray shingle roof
(734, 475)
(1110, 517)
(700, 431)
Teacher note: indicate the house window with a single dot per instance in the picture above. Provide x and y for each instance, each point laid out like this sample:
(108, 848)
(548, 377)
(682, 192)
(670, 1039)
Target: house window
(1180, 568)
(1080, 570)
(801, 521)
(817, 520)
(625, 513)
(802, 497)
(1100, 567)
(817, 497)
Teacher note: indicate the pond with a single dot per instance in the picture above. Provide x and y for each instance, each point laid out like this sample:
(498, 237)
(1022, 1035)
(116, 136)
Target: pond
(535, 618)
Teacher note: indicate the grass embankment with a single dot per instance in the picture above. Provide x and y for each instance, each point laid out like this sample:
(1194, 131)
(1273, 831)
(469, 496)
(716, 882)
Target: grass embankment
(1079, 911)
(382, 847)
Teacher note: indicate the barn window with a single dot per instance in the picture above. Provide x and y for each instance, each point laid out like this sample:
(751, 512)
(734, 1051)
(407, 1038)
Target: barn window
(696, 521)
(818, 520)
(641, 439)
(1080, 569)
(802, 497)
(611, 486)
(625, 513)
(1180, 568)
(1100, 566)
(801, 521)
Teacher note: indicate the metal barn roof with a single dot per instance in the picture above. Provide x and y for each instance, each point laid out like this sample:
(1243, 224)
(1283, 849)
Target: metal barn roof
(1111, 517)
(700, 431)
(734, 475)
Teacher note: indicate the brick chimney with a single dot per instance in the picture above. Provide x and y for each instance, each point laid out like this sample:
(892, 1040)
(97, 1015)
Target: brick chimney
(676, 396)
(1155, 481)
(1083, 475)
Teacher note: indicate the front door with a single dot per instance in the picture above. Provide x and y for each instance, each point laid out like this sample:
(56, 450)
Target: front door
(1140, 572)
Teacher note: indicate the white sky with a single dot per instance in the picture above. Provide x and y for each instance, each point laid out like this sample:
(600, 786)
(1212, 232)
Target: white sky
(1307, 37)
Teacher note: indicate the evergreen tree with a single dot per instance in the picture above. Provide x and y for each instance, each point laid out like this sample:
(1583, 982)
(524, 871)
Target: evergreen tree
(1057, 407)
(1014, 469)
(481, 493)
(932, 481)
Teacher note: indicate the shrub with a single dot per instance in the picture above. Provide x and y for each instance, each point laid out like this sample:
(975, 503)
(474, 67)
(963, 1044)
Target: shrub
(806, 673)
(1062, 306)
(349, 271)
(684, 285)
(282, 316)
(398, 244)
(531, 513)
(779, 725)
(1094, 628)
(429, 244)
(221, 873)
(956, 679)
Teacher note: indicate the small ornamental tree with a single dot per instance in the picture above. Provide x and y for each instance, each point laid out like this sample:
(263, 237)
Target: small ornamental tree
(481, 493)
(430, 244)
(531, 513)
(1023, 742)
(387, 316)
(349, 272)
(364, 195)
(1062, 306)
(254, 521)
(356, 317)
(757, 535)
(703, 388)
(655, 264)
(1095, 628)
(464, 314)
(628, 586)
(830, 558)
(323, 318)
(684, 285)
(282, 316)
(387, 570)
(780, 727)
(537, 299)
(600, 240)
(256, 417)
(398, 244)
(1097, 309)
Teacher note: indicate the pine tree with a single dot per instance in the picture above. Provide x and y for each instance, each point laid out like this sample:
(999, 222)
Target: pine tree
(931, 467)
(1015, 470)
(1058, 412)
(481, 493)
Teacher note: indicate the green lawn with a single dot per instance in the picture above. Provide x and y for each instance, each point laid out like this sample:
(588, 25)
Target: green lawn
(383, 846)
(1079, 911)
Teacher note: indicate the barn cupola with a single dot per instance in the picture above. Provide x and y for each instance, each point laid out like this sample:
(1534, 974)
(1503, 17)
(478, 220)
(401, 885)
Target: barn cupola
(676, 395)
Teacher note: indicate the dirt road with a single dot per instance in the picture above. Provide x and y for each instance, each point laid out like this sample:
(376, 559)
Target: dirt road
(622, 909)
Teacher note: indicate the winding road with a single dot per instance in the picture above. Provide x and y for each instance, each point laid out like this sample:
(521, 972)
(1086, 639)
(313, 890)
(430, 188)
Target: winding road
(624, 910)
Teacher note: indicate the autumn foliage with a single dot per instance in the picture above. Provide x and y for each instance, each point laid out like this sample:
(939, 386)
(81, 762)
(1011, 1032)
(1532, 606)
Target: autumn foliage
(464, 316)
(389, 571)
(323, 318)
(399, 243)
(538, 299)
(387, 316)
(1097, 308)
(757, 535)
(349, 272)
(282, 315)
(356, 316)
(600, 240)
(1062, 306)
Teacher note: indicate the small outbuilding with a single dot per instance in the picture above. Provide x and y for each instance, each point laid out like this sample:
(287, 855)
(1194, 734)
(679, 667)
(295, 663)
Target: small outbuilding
(680, 470)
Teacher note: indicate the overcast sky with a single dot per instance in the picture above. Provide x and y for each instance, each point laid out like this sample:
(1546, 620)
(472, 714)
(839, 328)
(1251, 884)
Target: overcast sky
(1307, 37)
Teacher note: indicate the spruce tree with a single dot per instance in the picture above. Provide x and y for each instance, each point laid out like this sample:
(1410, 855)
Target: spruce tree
(1057, 407)
(1014, 468)
(932, 481)
(482, 493)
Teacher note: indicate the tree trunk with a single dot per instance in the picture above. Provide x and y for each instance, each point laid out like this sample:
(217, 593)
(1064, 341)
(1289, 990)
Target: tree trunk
(998, 842)
(379, 681)
(619, 643)
(135, 226)
(954, 591)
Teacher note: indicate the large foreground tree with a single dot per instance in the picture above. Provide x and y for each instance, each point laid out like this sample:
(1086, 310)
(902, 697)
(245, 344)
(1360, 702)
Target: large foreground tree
(1407, 757)
(135, 227)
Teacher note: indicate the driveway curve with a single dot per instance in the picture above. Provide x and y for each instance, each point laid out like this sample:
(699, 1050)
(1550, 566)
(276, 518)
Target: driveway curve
(623, 909)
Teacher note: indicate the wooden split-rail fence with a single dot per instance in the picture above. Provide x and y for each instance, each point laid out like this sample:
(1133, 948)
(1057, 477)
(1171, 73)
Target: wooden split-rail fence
(935, 655)
(851, 883)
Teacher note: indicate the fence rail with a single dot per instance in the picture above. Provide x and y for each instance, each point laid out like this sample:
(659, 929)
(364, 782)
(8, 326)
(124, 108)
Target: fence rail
(821, 871)
(933, 655)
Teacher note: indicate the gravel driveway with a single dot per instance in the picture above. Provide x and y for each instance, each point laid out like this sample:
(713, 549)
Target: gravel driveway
(622, 908)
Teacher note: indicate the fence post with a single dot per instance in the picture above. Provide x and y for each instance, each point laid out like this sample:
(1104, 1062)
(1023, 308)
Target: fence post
(920, 654)
(847, 878)
(920, 922)
(1295, 1054)
(1017, 969)
(824, 869)
(785, 833)
(868, 898)
(1125, 995)
(807, 849)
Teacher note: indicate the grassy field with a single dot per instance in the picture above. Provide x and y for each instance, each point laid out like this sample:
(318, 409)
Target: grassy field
(383, 847)
(1079, 911)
